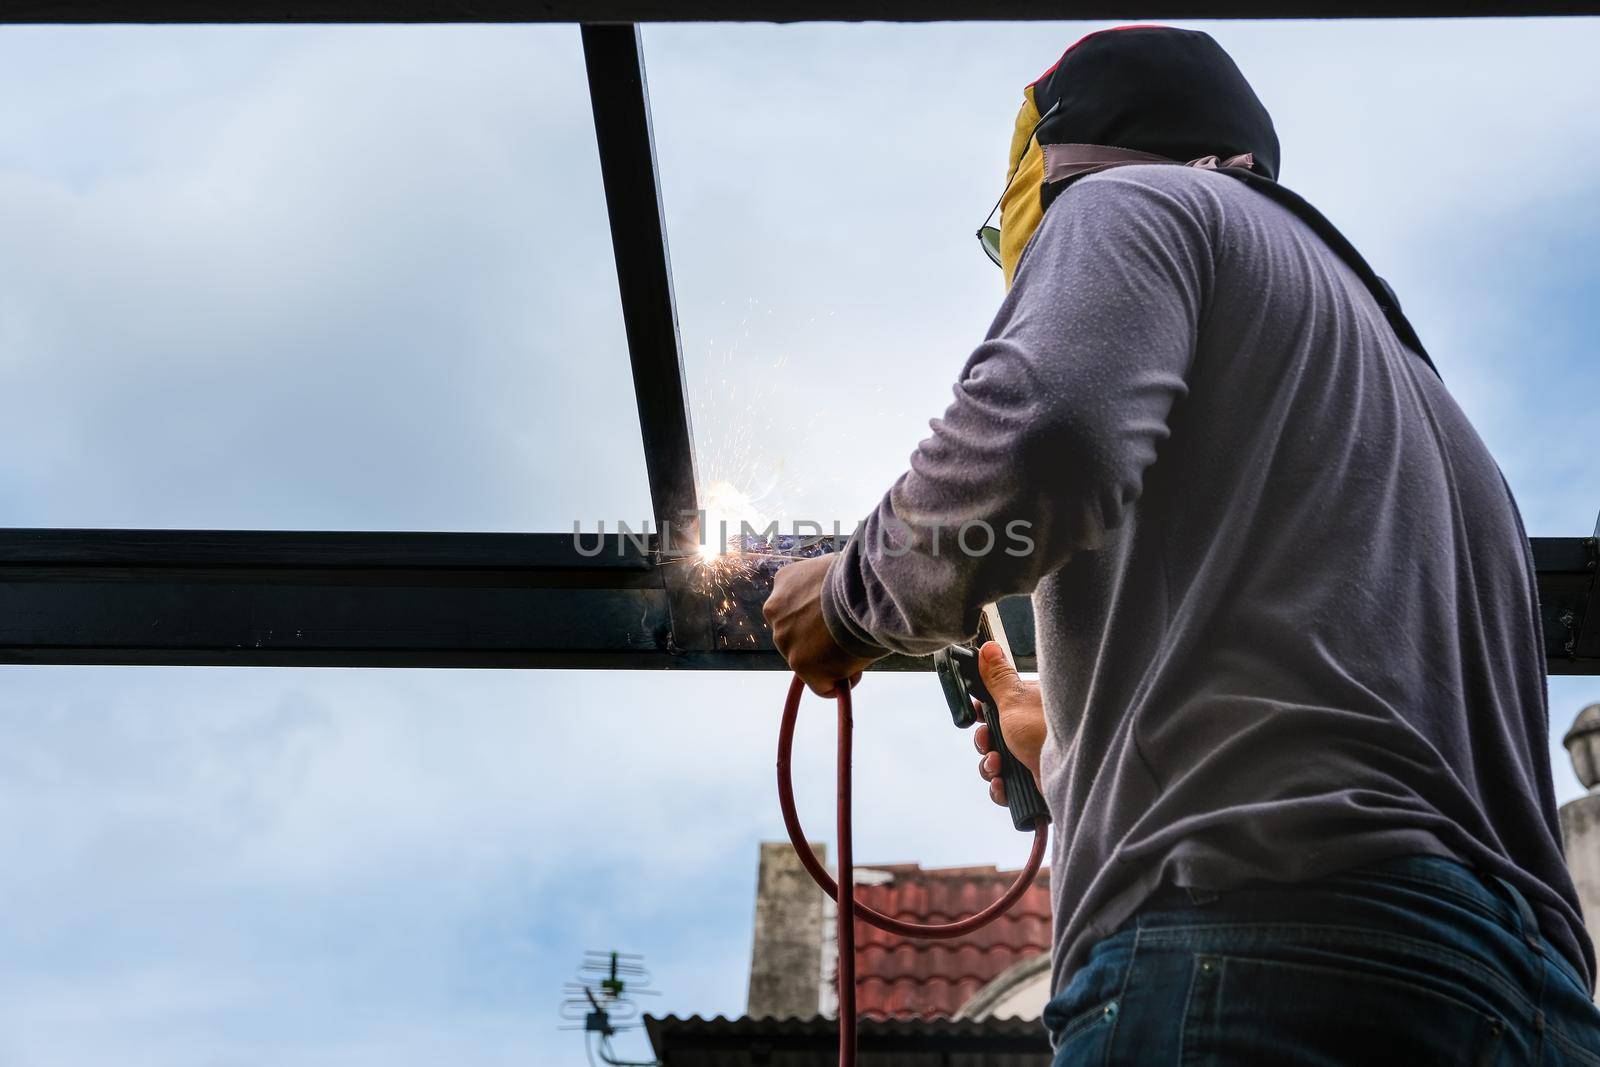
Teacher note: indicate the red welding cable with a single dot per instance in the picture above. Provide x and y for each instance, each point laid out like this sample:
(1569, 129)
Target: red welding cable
(848, 909)
(797, 836)
(845, 923)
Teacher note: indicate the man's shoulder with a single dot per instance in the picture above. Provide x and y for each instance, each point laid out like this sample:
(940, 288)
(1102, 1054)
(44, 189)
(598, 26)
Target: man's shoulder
(1221, 207)
(1146, 202)
(1201, 191)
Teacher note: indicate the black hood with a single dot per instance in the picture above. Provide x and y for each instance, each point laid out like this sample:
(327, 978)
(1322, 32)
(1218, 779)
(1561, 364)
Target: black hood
(1171, 92)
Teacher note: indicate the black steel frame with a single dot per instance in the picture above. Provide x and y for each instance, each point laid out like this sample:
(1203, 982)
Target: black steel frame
(254, 598)
(635, 11)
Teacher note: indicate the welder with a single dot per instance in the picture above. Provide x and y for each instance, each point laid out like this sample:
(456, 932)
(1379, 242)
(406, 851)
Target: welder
(1291, 717)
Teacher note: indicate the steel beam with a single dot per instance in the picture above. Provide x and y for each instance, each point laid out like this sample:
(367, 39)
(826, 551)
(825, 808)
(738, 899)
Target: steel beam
(248, 598)
(327, 599)
(621, 102)
(1569, 601)
(620, 97)
(633, 11)
(262, 598)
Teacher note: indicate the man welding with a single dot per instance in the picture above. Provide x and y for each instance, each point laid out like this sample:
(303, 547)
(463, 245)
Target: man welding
(1291, 716)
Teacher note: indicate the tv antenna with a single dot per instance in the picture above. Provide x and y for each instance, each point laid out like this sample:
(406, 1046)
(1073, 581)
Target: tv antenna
(598, 1003)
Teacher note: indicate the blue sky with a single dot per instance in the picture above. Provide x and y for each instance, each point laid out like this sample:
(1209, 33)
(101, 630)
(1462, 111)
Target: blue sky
(359, 278)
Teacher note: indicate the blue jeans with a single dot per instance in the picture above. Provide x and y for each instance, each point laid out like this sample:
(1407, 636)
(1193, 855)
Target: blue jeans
(1410, 961)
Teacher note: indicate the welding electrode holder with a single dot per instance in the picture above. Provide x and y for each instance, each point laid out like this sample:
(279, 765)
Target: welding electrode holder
(957, 667)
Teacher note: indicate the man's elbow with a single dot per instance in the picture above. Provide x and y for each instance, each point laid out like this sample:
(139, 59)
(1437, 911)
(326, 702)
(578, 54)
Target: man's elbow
(1093, 477)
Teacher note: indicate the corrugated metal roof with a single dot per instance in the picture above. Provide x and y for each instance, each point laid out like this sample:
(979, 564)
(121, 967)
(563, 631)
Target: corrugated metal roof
(898, 978)
(746, 1042)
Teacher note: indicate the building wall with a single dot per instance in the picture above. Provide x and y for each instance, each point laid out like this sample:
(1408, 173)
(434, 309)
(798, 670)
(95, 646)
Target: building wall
(786, 956)
(1580, 831)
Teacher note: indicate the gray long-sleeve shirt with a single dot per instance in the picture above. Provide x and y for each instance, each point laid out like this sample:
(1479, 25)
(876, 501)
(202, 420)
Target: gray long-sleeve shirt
(1286, 608)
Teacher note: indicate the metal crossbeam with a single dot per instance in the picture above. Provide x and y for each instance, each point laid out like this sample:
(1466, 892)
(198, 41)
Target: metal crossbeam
(254, 598)
(326, 599)
(633, 11)
(1569, 601)
(247, 598)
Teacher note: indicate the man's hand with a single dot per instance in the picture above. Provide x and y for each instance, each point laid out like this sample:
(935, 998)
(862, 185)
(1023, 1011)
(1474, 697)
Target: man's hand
(794, 611)
(1021, 720)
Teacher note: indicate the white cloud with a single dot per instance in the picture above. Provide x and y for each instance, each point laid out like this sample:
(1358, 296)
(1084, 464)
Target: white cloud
(343, 850)
(363, 288)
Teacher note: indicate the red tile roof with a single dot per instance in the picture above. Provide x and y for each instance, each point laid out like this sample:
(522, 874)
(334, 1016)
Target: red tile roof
(897, 978)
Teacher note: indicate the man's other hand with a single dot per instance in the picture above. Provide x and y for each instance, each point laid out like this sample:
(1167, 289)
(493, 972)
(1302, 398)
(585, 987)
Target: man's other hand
(794, 611)
(1021, 720)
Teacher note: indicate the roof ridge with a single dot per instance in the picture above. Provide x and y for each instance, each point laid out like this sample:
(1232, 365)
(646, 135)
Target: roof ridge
(916, 870)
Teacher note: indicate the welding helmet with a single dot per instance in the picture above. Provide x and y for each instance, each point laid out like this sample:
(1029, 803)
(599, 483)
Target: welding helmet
(1128, 95)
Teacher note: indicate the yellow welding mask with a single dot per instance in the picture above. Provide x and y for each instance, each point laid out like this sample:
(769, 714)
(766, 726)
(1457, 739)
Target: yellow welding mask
(1020, 205)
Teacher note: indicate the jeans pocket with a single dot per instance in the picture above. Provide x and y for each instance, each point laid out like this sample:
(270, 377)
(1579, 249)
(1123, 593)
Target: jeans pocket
(1250, 1010)
(1082, 1017)
(1086, 1038)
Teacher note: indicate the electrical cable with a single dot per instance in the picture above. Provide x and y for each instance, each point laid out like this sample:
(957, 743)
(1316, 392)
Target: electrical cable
(609, 1057)
(843, 891)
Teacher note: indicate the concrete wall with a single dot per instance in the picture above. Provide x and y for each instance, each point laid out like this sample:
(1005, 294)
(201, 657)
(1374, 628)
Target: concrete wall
(786, 958)
(1580, 831)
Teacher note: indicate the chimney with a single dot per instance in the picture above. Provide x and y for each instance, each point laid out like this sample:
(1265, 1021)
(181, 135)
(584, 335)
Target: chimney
(1580, 818)
(786, 953)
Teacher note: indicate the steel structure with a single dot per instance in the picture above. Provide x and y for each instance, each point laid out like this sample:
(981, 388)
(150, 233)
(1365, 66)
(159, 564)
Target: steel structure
(635, 11)
(536, 600)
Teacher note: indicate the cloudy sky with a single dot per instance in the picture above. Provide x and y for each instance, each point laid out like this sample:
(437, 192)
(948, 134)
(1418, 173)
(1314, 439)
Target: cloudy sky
(360, 278)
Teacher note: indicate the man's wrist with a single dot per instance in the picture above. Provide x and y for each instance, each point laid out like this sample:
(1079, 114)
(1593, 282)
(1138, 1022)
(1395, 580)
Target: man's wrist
(841, 626)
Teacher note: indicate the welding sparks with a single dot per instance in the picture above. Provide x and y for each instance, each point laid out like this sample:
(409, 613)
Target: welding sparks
(738, 414)
(743, 431)
(729, 511)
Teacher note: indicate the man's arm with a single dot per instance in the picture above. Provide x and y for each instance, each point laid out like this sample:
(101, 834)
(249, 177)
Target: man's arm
(1055, 419)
